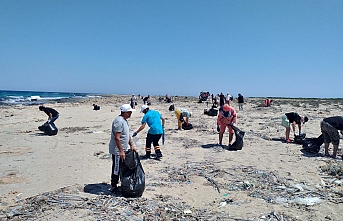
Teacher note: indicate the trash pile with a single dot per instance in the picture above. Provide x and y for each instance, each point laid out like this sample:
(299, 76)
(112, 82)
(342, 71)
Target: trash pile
(266, 185)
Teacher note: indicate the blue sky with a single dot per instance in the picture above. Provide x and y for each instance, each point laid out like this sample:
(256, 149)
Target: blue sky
(258, 48)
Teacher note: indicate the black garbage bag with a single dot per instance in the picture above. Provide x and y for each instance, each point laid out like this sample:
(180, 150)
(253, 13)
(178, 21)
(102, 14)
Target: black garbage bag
(211, 112)
(48, 129)
(188, 126)
(132, 175)
(299, 139)
(171, 107)
(238, 144)
(312, 145)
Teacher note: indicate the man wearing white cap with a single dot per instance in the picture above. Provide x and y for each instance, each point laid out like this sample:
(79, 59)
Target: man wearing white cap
(120, 142)
(156, 123)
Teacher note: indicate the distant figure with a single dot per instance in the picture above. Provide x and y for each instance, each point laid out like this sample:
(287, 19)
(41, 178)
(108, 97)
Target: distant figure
(292, 118)
(119, 143)
(330, 127)
(267, 102)
(96, 107)
(240, 101)
(133, 101)
(182, 115)
(226, 118)
(146, 100)
(228, 98)
(156, 123)
(52, 115)
(221, 99)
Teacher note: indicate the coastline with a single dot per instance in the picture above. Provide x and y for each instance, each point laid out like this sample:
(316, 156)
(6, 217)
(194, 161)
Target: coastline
(77, 157)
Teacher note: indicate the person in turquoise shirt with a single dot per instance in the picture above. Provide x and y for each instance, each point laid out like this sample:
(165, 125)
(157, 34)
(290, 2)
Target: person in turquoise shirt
(155, 122)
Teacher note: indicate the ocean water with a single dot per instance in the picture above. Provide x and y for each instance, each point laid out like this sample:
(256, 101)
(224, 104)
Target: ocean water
(37, 97)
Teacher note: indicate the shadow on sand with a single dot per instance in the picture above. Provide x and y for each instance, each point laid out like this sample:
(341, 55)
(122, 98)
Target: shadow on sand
(100, 189)
(207, 146)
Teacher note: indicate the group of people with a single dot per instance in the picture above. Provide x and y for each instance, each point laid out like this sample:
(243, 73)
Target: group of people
(329, 127)
(121, 140)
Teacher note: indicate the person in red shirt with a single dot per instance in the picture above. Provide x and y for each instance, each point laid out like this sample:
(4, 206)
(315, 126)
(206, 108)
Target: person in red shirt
(226, 118)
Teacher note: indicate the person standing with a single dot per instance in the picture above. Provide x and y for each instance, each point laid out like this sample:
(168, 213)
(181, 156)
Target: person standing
(292, 118)
(120, 142)
(329, 127)
(182, 115)
(240, 101)
(52, 115)
(221, 99)
(133, 101)
(228, 98)
(155, 122)
(267, 102)
(226, 118)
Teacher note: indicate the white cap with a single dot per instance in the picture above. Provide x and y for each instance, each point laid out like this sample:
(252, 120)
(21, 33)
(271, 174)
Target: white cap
(144, 107)
(126, 108)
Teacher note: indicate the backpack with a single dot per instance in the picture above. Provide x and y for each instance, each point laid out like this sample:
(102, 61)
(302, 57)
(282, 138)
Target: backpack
(132, 176)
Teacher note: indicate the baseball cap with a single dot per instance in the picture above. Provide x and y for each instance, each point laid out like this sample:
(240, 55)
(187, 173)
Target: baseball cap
(144, 107)
(126, 108)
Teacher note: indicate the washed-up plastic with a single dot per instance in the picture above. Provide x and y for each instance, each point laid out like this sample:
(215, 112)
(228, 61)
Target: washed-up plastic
(136, 141)
(309, 201)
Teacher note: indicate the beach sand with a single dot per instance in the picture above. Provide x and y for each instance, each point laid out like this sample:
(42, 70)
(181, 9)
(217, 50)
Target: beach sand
(266, 179)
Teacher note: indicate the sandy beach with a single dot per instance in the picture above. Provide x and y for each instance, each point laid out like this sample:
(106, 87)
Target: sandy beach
(195, 180)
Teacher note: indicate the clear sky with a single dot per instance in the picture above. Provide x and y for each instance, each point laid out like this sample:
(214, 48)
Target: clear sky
(259, 48)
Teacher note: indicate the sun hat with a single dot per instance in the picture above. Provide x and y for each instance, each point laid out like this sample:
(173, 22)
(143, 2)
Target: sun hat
(126, 108)
(143, 108)
(226, 107)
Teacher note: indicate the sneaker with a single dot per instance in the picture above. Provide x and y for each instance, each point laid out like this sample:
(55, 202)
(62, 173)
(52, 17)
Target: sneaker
(158, 155)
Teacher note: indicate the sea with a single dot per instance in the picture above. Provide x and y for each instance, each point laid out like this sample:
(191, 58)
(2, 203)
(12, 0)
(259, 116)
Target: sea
(38, 97)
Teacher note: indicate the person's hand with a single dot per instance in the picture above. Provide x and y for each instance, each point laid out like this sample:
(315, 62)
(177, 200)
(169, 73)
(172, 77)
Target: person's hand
(122, 155)
(134, 134)
(218, 128)
(133, 149)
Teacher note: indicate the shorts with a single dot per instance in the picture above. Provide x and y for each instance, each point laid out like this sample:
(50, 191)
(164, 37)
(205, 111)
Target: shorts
(223, 128)
(285, 121)
(330, 133)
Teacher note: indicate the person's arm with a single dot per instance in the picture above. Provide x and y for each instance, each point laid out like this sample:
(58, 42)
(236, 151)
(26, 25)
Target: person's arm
(120, 147)
(141, 128)
(299, 127)
(163, 121)
(131, 145)
(293, 126)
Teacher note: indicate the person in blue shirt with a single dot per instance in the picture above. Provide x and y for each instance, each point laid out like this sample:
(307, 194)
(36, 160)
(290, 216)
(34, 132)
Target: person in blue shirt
(156, 123)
